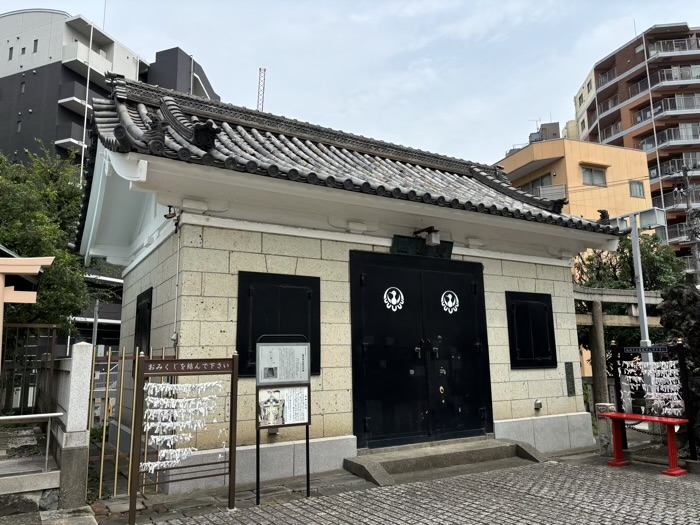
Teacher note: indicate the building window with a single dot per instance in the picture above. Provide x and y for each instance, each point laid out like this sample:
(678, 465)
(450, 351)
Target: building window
(583, 124)
(270, 304)
(22, 86)
(9, 55)
(531, 330)
(24, 50)
(637, 189)
(19, 126)
(590, 86)
(36, 46)
(639, 48)
(533, 186)
(593, 176)
(580, 100)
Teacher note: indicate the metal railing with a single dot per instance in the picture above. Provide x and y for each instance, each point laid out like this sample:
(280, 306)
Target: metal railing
(32, 419)
(674, 74)
(675, 166)
(673, 46)
(689, 263)
(677, 198)
(677, 232)
(555, 192)
(608, 104)
(607, 77)
(611, 130)
(691, 133)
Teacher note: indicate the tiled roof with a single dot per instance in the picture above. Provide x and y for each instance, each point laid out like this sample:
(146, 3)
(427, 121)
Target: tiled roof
(147, 119)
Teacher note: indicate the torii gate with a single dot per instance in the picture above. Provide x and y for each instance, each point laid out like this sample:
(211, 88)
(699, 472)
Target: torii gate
(8, 294)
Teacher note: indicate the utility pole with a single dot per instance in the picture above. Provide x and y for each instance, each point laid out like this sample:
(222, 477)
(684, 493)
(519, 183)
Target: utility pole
(692, 225)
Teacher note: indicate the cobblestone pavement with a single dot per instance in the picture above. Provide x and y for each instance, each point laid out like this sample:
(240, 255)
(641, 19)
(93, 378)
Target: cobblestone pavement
(542, 494)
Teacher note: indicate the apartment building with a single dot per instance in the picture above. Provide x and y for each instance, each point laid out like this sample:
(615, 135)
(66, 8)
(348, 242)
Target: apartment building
(591, 177)
(646, 95)
(45, 56)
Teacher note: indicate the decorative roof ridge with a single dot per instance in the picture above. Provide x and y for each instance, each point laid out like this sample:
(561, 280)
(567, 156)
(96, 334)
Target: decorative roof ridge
(124, 89)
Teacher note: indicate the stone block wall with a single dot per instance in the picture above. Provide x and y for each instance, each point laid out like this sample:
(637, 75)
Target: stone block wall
(210, 259)
(157, 271)
(514, 391)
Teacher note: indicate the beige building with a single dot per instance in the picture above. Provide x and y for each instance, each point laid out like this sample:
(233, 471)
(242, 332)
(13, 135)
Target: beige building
(590, 176)
(436, 297)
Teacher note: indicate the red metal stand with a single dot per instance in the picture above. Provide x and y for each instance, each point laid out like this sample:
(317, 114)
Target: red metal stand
(619, 459)
(674, 469)
(618, 419)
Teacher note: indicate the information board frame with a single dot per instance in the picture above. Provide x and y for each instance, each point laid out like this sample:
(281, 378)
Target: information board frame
(272, 384)
(271, 368)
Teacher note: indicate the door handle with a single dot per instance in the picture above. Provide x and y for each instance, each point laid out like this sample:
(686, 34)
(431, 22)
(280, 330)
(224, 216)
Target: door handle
(418, 351)
(436, 352)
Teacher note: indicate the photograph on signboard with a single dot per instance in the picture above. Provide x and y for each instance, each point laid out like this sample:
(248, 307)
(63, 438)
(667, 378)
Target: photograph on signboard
(283, 406)
(283, 363)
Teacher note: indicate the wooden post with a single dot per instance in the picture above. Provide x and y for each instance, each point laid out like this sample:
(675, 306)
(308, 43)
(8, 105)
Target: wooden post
(2, 310)
(598, 361)
(233, 427)
(136, 432)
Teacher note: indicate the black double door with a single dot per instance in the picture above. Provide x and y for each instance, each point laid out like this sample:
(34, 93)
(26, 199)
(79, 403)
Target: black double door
(420, 358)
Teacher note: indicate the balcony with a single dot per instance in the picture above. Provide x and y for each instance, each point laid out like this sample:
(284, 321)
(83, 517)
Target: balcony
(608, 104)
(76, 56)
(676, 233)
(555, 192)
(689, 263)
(677, 199)
(672, 136)
(607, 77)
(69, 135)
(611, 131)
(71, 95)
(682, 46)
(686, 74)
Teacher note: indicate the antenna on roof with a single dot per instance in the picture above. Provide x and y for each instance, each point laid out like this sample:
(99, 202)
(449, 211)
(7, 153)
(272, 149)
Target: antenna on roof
(261, 88)
(537, 122)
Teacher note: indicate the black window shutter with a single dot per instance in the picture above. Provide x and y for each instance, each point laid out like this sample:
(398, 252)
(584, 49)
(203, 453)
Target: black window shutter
(531, 330)
(142, 323)
(274, 304)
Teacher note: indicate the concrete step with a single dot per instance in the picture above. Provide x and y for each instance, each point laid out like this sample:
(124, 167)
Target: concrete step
(386, 467)
(460, 470)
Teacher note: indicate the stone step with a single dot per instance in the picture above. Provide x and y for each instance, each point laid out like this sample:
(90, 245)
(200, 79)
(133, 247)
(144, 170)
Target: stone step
(385, 467)
(461, 470)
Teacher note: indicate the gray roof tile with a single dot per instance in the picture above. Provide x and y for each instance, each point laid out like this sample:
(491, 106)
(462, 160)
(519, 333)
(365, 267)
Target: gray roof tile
(147, 119)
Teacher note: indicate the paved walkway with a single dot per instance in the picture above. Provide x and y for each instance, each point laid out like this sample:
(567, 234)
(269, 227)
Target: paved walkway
(542, 494)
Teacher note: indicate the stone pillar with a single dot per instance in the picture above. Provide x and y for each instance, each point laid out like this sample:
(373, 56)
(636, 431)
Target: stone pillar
(605, 437)
(598, 361)
(73, 438)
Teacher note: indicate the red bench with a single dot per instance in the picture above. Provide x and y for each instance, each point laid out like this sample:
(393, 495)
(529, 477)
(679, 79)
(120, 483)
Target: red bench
(619, 419)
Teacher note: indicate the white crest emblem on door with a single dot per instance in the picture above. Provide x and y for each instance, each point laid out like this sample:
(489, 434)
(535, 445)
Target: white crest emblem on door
(449, 301)
(393, 298)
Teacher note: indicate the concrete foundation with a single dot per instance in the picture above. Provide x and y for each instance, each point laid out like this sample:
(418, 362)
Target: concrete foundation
(549, 433)
(279, 460)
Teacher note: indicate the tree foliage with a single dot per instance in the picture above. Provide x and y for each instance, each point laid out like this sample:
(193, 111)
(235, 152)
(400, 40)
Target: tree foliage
(661, 268)
(680, 316)
(39, 207)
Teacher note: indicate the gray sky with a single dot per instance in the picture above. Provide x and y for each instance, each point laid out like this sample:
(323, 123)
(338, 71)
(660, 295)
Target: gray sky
(462, 78)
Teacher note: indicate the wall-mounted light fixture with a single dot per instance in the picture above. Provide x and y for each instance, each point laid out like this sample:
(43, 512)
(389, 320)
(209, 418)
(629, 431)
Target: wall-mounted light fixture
(430, 234)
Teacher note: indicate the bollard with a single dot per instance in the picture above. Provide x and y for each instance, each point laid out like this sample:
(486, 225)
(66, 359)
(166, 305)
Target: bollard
(605, 436)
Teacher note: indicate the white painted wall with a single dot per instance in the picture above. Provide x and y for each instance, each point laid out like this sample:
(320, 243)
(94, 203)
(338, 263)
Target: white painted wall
(56, 41)
(19, 29)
